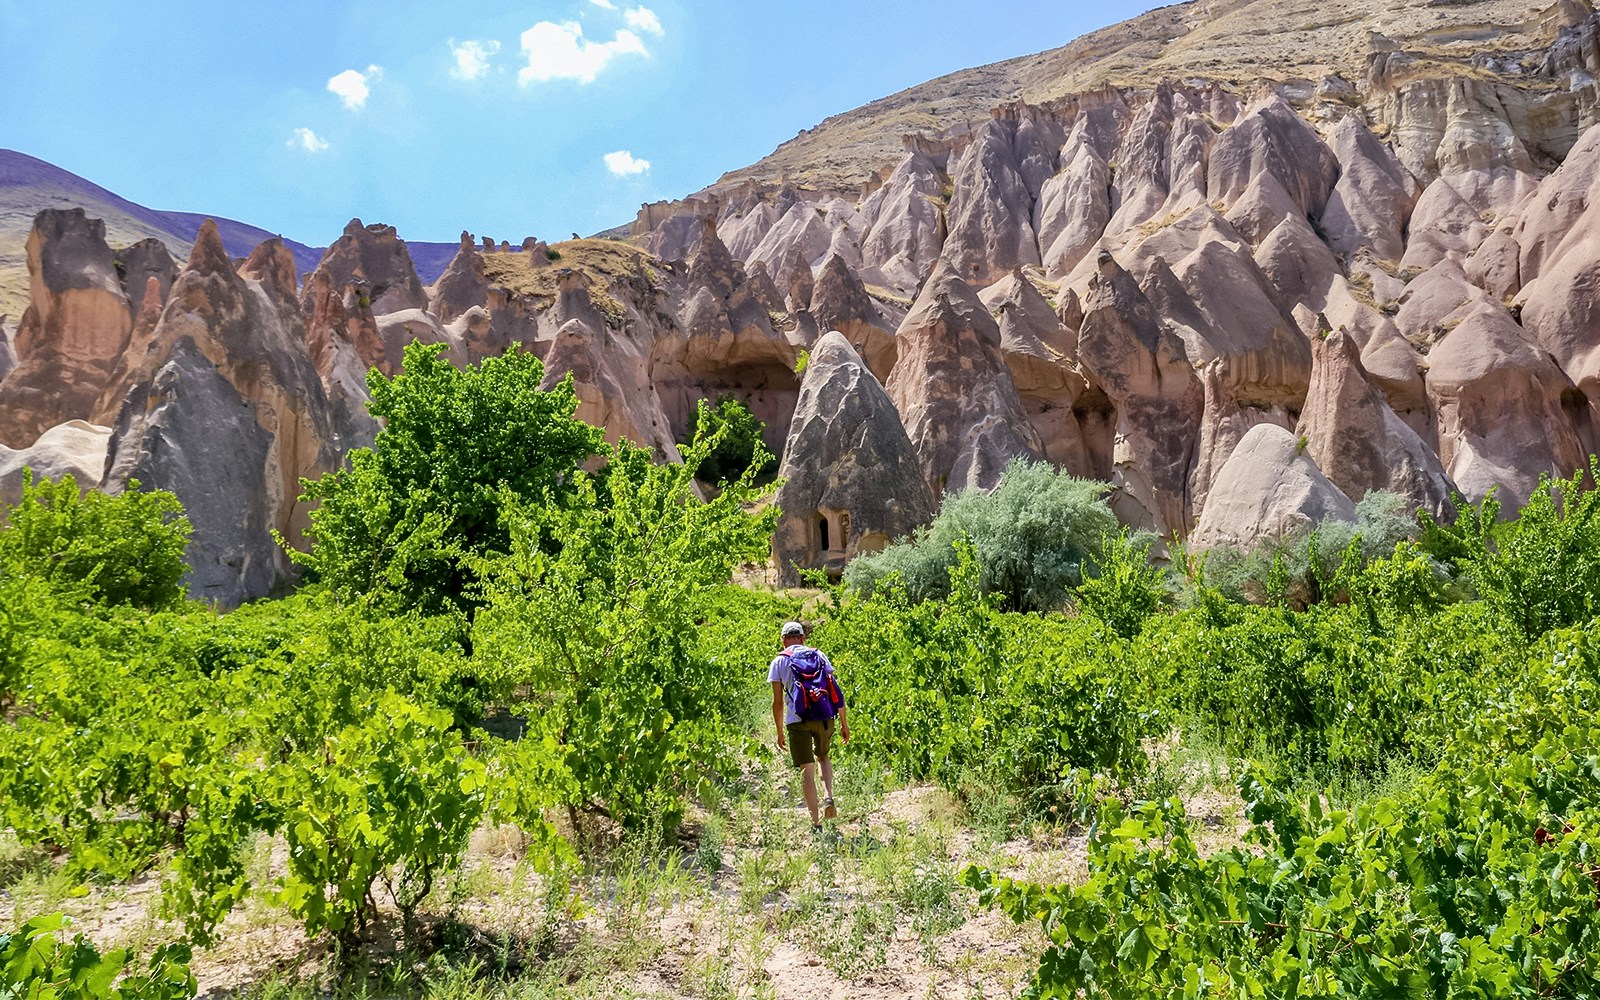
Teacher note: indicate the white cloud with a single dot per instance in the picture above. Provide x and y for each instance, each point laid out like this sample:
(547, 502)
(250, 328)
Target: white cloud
(604, 4)
(352, 86)
(625, 164)
(644, 19)
(560, 52)
(308, 140)
(472, 58)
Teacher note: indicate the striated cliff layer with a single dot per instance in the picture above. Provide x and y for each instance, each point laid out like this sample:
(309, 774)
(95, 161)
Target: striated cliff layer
(1244, 274)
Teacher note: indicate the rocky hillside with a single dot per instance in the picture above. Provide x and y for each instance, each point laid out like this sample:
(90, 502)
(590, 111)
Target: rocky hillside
(1242, 287)
(1238, 43)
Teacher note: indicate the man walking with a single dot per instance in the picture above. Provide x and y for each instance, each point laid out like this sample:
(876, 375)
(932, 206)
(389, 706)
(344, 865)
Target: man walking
(806, 700)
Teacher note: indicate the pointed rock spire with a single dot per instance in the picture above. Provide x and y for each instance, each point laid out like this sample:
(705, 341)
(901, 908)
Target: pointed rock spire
(848, 465)
(209, 256)
(74, 332)
(1359, 441)
(954, 392)
(1156, 395)
(272, 264)
(840, 302)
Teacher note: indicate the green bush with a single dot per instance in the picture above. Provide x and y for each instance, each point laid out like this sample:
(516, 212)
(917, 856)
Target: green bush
(1121, 587)
(1540, 571)
(392, 800)
(35, 964)
(1480, 881)
(124, 548)
(956, 691)
(1031, 536)
(1308, 567)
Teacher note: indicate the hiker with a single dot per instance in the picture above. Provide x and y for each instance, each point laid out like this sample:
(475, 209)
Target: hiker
(806, 699)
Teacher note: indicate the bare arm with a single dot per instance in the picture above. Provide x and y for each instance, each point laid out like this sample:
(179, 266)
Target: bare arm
(844, 726)
(778, 713)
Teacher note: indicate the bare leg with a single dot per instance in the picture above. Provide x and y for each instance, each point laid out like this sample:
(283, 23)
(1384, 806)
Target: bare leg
(825, 765)
(808, 781)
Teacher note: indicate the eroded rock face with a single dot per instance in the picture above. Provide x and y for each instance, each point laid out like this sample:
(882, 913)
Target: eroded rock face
(728, 344)
(8, 354)
(365, 275)
(376, 254)
(1144, 372)
(1271, 140)
(141, 264)
(76, 448)
(953, 390)
(74, 332)
(1074, 206)
(341, 333)
(225, 409)
(1269, 489)
(612, 391)
(1040, 351)
(851, 479)
(1505, 411)
(840, 302)
(1559, 236)
(991, 211)
(1373, 197)
(907, 229)
(464, 285)
(1359, 441)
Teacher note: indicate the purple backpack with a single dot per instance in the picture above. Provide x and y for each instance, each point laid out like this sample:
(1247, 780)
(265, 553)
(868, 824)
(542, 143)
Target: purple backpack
(817, 696)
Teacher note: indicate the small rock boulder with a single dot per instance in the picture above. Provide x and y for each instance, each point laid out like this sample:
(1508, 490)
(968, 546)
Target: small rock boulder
(1268, 489)
(75, 448)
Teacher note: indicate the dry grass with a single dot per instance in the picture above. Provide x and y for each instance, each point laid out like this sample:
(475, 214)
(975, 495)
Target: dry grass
(1150, 227)
(746, 902)
(888, 297)
(599, 261)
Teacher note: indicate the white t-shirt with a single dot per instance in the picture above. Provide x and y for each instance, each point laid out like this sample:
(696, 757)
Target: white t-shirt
(782, 670)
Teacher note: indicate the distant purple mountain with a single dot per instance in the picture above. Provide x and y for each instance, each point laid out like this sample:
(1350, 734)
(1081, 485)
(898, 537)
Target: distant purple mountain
(29, 184)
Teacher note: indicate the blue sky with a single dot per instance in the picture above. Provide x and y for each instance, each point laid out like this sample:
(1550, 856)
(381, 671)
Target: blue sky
(490, 116)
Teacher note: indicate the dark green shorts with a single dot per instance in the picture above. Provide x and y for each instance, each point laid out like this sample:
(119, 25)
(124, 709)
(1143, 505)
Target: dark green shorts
(809, 741)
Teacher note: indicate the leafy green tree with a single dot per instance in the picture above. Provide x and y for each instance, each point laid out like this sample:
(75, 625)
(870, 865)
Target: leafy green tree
(402, 522)
(740, 445)
(1031, 535)
(591, 628)
(124, 548)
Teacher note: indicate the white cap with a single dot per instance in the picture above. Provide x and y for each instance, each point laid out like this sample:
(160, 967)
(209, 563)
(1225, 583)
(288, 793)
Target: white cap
(792, 628)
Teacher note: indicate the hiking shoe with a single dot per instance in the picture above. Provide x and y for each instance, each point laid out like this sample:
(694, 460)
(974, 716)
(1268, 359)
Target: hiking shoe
(829, 810)
(816, 829)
